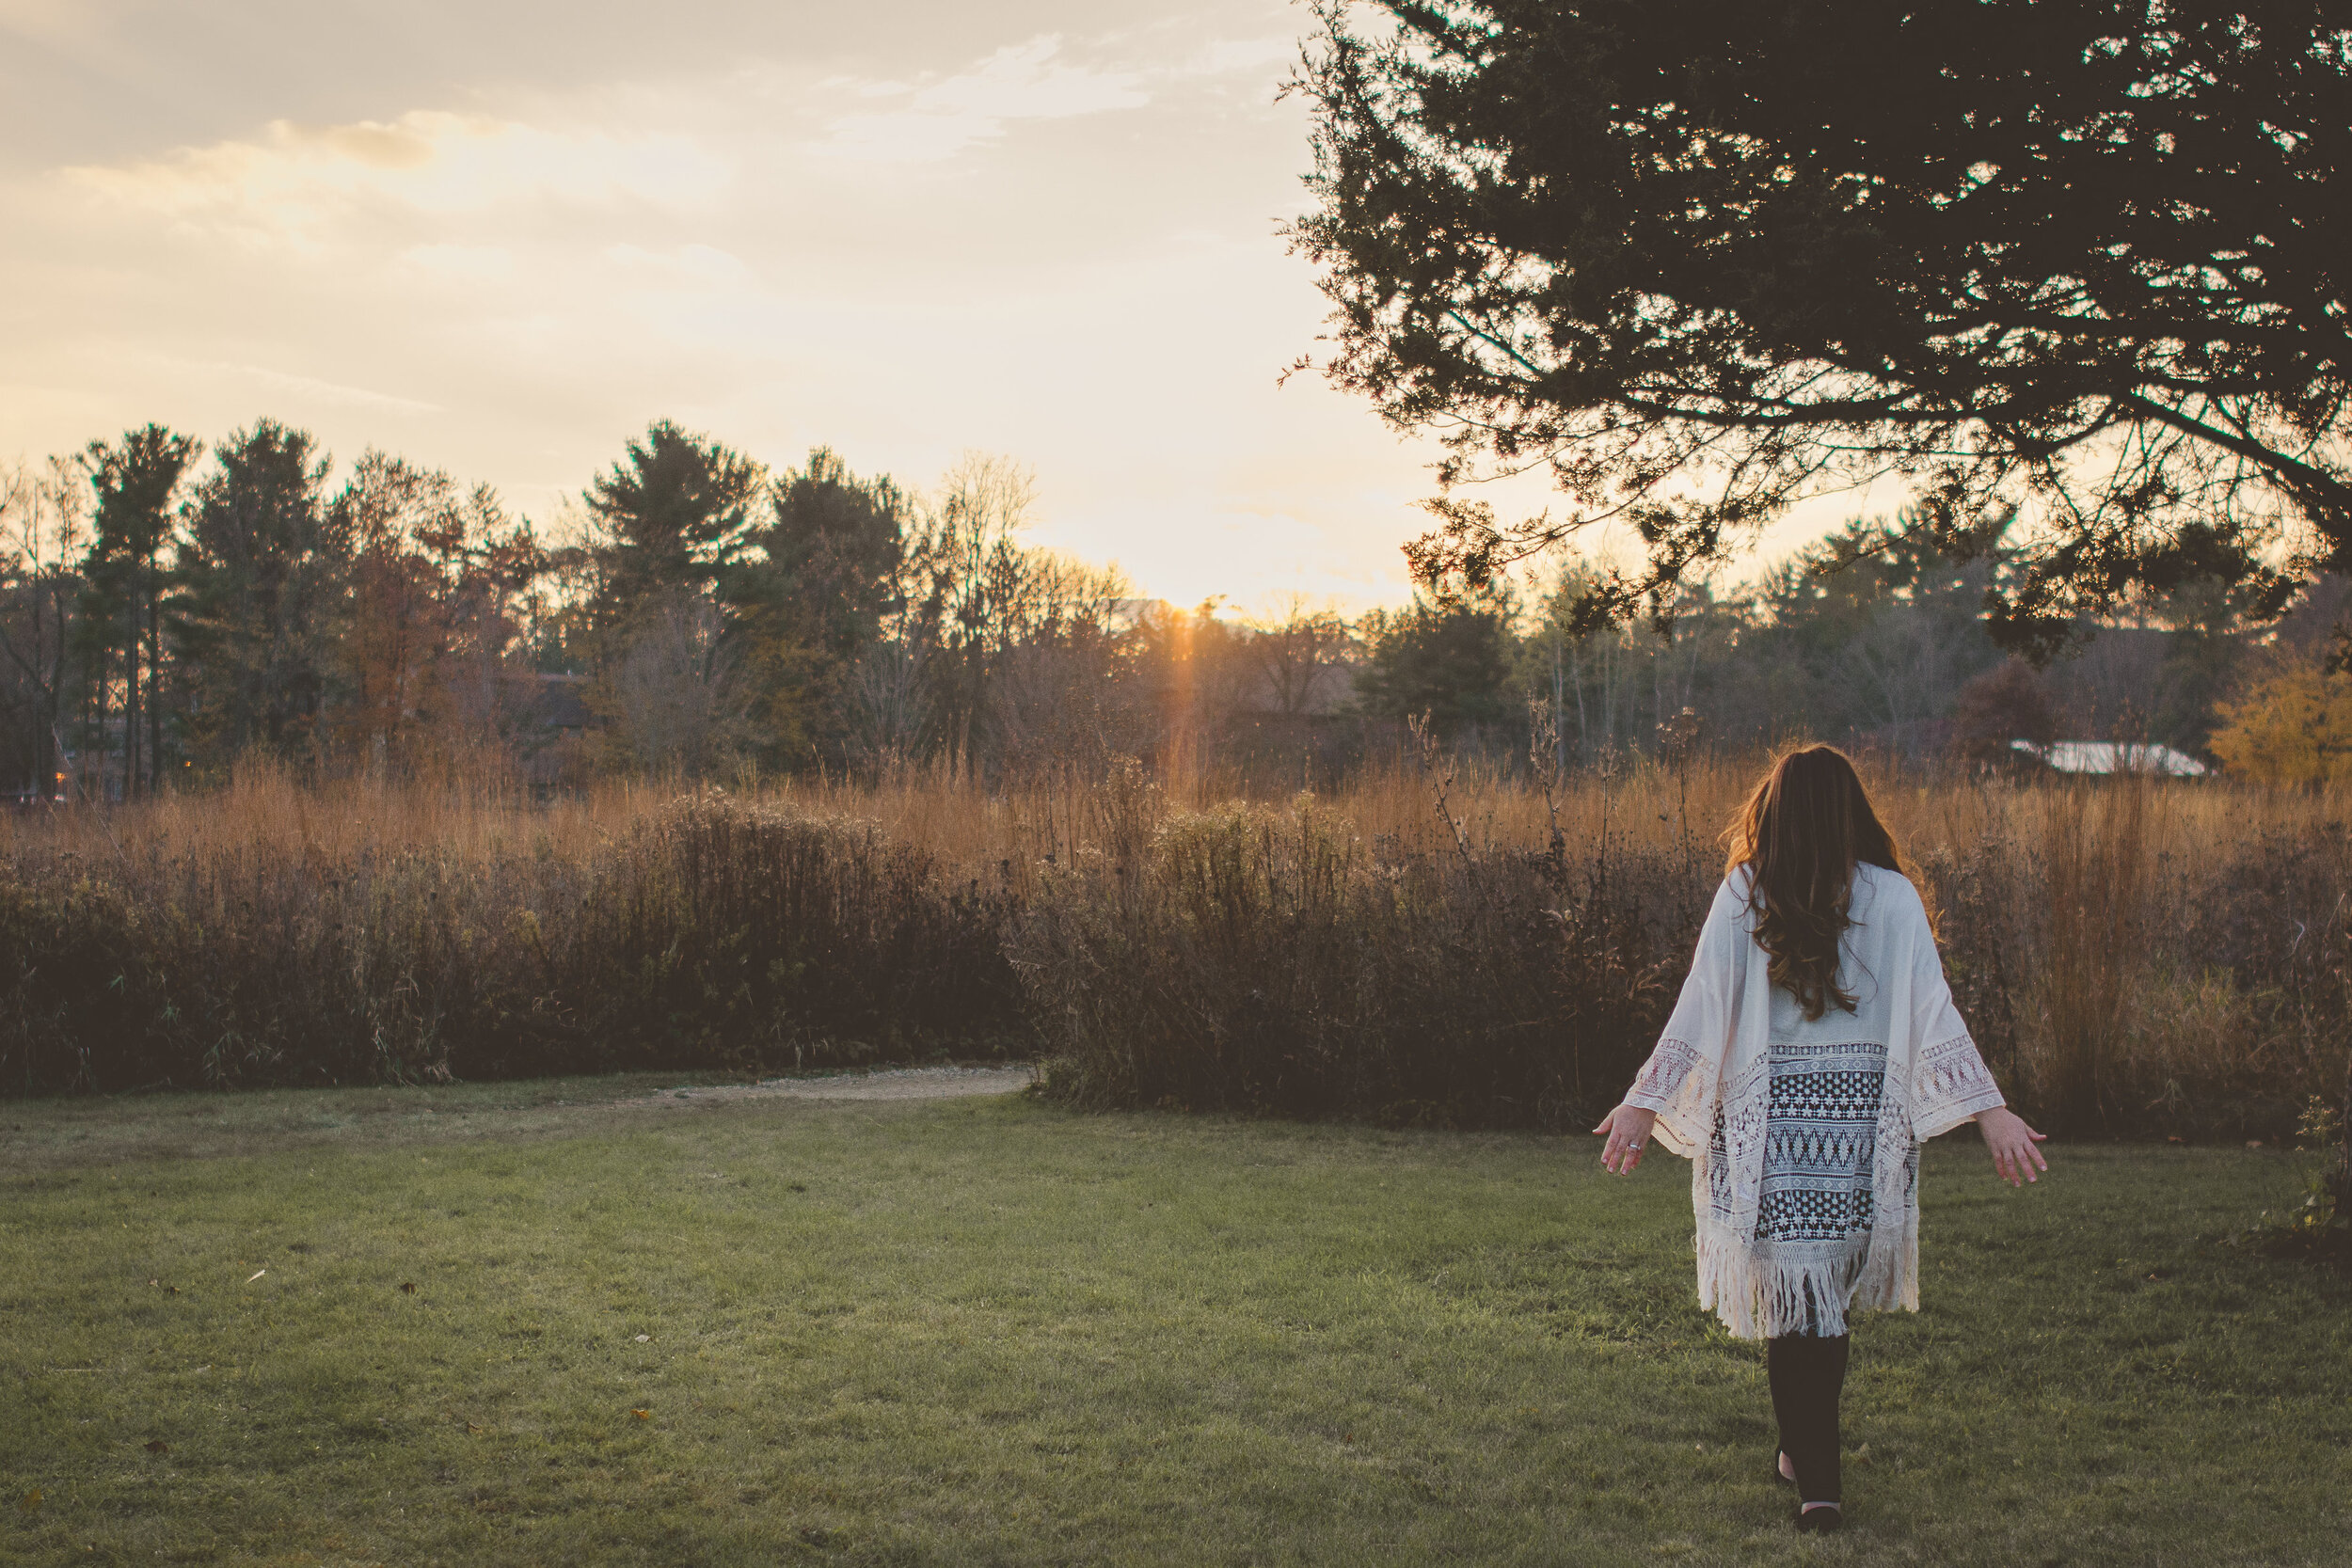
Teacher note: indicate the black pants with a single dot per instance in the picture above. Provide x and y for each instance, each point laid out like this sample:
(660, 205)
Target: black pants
(1808, 1373)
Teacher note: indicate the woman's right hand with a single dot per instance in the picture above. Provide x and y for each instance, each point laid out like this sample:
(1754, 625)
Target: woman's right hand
(2011, 1143)
(1628, 1128)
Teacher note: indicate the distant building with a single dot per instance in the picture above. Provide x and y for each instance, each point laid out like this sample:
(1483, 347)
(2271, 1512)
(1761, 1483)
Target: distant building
(2110, 756)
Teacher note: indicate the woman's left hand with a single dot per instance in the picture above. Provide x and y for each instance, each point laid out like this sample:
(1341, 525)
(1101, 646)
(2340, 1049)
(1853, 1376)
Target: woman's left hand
(2011, 1143)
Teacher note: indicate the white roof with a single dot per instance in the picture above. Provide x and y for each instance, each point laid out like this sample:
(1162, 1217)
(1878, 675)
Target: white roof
(2109, 756)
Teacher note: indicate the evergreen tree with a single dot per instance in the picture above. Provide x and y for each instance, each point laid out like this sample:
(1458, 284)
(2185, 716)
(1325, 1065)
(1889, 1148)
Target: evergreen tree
(667, 519)
(1696, 256)
(258, 583)
(121, 621)
(1447, 656)
(666, 523)
(809, 597)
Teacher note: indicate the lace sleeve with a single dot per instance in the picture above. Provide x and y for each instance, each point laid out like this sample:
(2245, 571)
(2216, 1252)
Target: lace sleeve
(1949, 1081)
(1952, 1084)
(1677, 1082)
(1661, 1075)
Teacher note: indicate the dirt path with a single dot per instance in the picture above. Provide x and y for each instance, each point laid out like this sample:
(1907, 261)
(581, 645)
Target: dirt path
(920, 1082)
(51, 1134)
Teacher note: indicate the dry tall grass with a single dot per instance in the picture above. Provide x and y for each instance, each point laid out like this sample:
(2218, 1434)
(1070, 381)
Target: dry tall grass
(2133, 956)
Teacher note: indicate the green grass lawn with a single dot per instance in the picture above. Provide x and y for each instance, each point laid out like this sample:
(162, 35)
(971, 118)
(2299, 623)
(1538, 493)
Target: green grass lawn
(495, 1328)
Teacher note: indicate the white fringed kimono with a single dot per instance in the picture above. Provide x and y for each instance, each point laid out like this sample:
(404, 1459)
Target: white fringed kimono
(1804, 1136)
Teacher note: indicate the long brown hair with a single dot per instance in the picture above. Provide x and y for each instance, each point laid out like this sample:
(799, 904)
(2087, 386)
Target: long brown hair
(1807, 824)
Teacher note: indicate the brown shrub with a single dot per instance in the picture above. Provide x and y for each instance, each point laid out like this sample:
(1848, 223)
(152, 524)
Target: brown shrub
(705, 932)
(2134, 956)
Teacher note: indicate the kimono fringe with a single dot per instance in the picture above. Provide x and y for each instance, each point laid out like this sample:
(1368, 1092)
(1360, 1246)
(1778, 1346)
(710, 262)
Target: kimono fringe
(1760, 1298)
(1765, 1297)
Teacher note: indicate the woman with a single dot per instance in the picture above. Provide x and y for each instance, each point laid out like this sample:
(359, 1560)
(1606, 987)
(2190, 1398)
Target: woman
(1815, 1045)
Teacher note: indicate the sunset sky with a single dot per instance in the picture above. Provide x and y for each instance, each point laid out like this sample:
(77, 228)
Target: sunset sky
(499, 238)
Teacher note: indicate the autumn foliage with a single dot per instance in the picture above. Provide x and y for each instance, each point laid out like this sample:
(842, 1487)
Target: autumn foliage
(2132, 956)
(2294, 728)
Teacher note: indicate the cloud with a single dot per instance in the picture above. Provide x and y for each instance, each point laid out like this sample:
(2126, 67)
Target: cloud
(290, 182)
(308, 387)
(725, 234)
(51, 22)
(939, 120)
(698, 265)
(470, 263)
(1229, 56)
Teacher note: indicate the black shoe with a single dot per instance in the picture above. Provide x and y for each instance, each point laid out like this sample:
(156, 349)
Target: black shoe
(1821, 1521)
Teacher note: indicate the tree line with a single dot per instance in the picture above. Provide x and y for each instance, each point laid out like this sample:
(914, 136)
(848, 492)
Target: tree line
(1875, 638)
(165, 610)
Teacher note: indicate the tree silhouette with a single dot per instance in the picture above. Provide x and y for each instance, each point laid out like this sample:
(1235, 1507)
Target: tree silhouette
(1699, 256)
(2006, 704)
(135, 481)
(668, 517)
(809, 598)
(259, 579)
(1446, 656)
